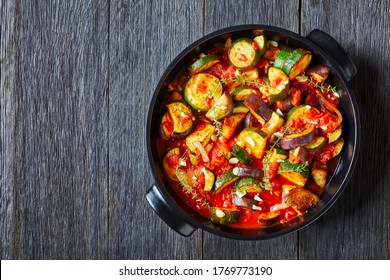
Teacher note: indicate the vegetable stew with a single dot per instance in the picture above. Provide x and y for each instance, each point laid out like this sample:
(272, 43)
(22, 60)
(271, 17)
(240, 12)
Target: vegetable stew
(248, 130)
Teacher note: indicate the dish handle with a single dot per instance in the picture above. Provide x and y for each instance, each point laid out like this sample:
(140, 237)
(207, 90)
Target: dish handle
(334, 49)
(167, 214)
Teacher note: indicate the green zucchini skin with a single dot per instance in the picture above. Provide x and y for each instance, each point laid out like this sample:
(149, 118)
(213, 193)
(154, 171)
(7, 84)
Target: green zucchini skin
(243, 92)
(299, 112)
(335, 135)
(261, 42)
(280, 84)
(181, 116)
(249, 185)
(224, 215)
(209, 179)
(292, 60)
(294, 173)
(203, 64)
(224, 180)
(170, 157)
(282, 57)
(240, 154)
(222, 107)
(317, 144)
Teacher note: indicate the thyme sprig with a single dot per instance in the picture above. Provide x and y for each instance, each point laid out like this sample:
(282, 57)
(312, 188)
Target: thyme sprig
(218, 127)
(187, 187)
(242, 81)
(320, 86)
(299, 167)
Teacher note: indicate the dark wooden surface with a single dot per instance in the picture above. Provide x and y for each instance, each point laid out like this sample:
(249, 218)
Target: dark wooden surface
(76, 79)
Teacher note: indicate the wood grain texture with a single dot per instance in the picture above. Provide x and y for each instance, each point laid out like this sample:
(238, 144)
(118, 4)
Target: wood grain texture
(7, 119)
(358, 225)
(220, 14)
(144, 37)
(281, 13)
(54, 127)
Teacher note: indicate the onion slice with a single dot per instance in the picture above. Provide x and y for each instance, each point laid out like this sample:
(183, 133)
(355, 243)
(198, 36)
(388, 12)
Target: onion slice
(278, 207)
(331, 108)
(202, 151)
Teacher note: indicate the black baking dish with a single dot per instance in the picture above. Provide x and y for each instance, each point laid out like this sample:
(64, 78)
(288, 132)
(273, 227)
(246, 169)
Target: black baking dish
(326, 51)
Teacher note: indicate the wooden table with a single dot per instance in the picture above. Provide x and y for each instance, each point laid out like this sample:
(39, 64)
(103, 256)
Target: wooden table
(76, 80)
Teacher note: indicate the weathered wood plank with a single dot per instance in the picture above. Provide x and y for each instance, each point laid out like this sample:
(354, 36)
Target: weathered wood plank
(7, 117)
(144, 38)
(220, 14)
(53, 129)
(358, 225)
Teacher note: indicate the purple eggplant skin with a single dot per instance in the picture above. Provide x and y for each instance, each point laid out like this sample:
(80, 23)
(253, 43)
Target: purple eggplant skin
(248, 172)
(285, 105)
(318, 73)
(254, 103)
(244, 202)
(301, 200)
(249, 120)
(293, 141)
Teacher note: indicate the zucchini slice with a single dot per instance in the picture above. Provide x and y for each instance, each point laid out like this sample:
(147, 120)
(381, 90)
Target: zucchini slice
(244, 53)
(297, 63)
(181, 116)
(274, 123)
(166, 126)
(209, 179)
(203, 64)
(294, 173)
(202, 136)
(170, 162)
(299, 115)
(224, 215)
(248, 185)
(224, 180)
(230, 125)
(318, 173)
(335, 135)
(243, 92)
(277, 155)
(279, 84)
(261, 42)
(338, 146)
(253, 140)
(317, 144)
(240, 154)
(201, 90)
(240, 108)
(221, 108)
(282, 57)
